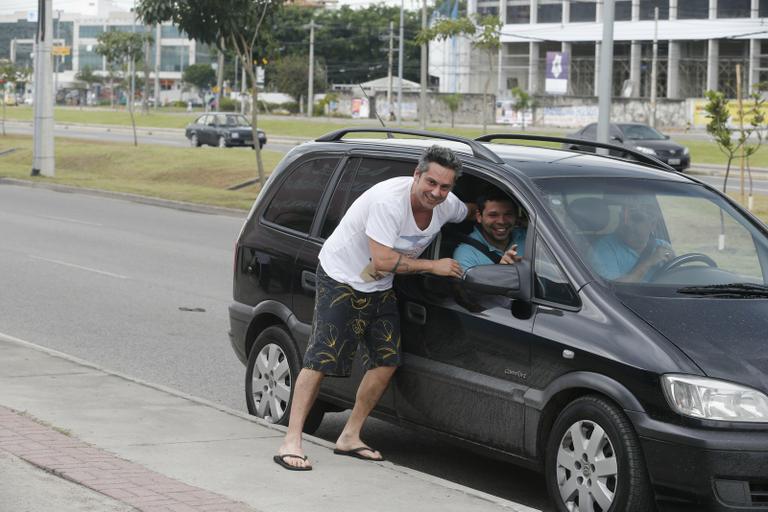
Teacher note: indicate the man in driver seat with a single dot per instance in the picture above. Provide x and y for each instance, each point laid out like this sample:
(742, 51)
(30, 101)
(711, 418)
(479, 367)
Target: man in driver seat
(632, 253)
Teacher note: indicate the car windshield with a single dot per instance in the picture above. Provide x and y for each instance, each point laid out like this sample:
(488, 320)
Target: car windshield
(237, 121)
(640, 132)
(660, 233)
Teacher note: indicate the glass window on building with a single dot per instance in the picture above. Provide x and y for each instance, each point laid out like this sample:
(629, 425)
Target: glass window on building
(170, 32)
(127, 28)
(88, 57)
(762, 10)
(693, 10)
(549, 11)
(174, 58)
(583, 11)
(623, 10)
(91, 31)
(205, 54)
(734, 9)
(24, 55)
(518, 11)
(488, 8)
(647, 8)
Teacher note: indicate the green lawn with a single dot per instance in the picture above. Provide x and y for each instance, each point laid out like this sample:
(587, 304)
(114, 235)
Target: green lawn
(182, 174)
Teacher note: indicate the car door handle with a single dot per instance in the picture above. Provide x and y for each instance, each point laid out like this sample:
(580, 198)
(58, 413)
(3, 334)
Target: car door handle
(308, 281)
(416, 313)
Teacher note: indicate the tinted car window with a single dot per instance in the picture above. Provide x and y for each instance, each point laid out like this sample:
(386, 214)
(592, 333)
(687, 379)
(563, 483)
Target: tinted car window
(295, 203)
(359, 176)
(551, 284)
(590, 132)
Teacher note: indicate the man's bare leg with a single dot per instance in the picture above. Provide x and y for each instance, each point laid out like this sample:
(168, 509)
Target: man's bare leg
(306, 388)
(368, 394)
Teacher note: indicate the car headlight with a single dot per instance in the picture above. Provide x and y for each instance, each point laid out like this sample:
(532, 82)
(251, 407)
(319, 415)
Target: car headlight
(685, 151)
(647, 151)
(711, 399)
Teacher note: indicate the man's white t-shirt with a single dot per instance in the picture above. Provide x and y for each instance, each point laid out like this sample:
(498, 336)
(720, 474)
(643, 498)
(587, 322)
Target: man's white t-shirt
(382, 213)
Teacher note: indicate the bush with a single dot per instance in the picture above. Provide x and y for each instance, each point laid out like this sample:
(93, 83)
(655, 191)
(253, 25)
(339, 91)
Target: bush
(229, 105)
(179, 104)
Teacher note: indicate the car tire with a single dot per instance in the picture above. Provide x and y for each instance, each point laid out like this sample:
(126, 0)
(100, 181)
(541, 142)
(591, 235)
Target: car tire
(273, 365)
(222, 142)
(604, 464)
(194, 141)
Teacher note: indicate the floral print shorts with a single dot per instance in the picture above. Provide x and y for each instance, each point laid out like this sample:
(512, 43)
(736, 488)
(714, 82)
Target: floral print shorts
(345, 318)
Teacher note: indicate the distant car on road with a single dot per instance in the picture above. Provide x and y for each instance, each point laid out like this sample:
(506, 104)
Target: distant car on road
(222, 130)
(640, 137)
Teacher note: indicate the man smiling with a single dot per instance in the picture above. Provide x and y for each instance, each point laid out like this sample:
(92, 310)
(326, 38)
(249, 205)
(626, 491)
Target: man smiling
(382, 234)
(496, 237)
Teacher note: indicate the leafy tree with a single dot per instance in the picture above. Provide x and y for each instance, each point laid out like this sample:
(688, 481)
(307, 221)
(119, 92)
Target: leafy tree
(201, 76)
(483, 31)
(719, 116)
(242, 26)
(291, 76)
(453, 102)
(122, 50)
(10, 74)
(87, 75)
(523, 102)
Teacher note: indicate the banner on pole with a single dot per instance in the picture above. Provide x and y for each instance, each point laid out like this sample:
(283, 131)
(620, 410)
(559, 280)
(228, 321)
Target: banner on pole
(556, 81)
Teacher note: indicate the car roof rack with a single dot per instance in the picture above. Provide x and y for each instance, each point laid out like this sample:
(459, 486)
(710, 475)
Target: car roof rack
(478, 150)
(642, 157)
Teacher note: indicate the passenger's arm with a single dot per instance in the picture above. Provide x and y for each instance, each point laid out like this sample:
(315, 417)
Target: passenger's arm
(386, 259)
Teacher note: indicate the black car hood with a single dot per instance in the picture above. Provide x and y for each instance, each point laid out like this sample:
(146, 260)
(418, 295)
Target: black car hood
(726, 338)
(664, 145)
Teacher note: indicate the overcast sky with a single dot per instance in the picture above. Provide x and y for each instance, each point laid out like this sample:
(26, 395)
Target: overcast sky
(11, 6)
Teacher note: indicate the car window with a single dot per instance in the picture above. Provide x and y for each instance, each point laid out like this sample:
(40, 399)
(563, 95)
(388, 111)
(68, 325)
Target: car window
(641, 132)
(360, 175)
(656, 232)
(201, 120)
(551, 284)
(295, 203)
(590, 132)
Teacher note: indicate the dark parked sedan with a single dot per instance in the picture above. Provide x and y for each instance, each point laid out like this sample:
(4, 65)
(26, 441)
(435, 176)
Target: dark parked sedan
(222, 130)
(640, 137)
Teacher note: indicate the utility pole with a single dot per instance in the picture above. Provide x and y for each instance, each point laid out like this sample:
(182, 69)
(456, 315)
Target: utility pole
(158, 34)
(606, 73)
(389, 68)
(654, 65)
(43, 163)
(400, 69)
(423, 92)
(310, 89)
(219, 76)
(132, 63)
(56, 59)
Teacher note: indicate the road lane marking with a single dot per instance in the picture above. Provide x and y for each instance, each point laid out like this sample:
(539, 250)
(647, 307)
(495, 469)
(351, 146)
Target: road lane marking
(102, 272)
(65, 219)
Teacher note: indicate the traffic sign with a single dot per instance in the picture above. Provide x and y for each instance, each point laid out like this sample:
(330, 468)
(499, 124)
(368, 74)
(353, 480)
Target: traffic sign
(61, 51)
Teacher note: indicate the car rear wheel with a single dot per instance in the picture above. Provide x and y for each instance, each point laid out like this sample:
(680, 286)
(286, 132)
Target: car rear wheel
(593, 460)
(194, 141)
(222, 142)
(273, 365)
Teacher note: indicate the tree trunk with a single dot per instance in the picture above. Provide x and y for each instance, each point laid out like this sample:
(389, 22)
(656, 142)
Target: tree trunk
(145, 94)
(248, 62)
(3, 98)
(112, 92)
(727, 172)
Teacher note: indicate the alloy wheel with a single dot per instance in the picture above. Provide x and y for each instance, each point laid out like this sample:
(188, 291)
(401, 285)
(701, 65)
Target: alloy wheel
(271, 383)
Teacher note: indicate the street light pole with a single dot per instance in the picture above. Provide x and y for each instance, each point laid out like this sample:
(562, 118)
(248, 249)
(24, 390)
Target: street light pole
(423, 91)
(43, 156)
(400, 68)
(606, 73)
(311, 87)
(654, 66)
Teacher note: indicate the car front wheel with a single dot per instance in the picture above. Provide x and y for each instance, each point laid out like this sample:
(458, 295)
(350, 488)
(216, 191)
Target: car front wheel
(273, 365)
(594, 461)
(194, 141)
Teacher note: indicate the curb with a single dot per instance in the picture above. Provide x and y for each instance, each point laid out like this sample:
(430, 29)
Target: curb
(515, 507)
(135, 198)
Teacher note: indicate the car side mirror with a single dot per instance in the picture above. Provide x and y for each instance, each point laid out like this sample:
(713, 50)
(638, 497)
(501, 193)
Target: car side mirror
(616, 138)
(513, 281)
(666, 137)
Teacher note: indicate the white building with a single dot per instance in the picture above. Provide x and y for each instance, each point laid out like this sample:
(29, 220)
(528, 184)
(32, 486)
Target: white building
(169, 55)
(700, 42)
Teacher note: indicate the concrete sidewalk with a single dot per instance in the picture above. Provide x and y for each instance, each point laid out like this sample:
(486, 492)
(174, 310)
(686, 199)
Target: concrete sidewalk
(156, 449)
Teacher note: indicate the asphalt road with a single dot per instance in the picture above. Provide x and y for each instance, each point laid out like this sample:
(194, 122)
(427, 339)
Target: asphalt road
(144, 290)
(172, 138)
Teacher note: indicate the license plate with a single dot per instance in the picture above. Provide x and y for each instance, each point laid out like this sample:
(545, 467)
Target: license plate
(674, 161)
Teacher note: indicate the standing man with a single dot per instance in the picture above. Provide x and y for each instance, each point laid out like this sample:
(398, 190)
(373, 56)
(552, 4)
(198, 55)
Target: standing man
(496, 238)
(382, 234)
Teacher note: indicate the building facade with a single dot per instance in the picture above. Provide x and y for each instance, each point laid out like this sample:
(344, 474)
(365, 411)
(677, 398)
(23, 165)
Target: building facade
(169, 55)
(700, 43)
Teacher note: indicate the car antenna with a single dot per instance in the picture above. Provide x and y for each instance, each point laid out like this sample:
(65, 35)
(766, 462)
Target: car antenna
(375, 111)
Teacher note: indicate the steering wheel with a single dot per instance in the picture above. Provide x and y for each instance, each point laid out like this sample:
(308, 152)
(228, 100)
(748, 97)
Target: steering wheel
(684, 259)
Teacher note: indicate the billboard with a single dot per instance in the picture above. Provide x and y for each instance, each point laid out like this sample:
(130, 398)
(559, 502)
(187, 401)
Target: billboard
(556, 81)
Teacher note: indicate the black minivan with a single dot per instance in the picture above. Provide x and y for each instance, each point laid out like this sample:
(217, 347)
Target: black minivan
(628, 393)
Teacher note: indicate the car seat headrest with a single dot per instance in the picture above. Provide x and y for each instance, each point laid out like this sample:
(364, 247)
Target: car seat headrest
(589, 213)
